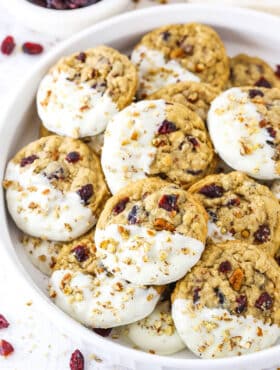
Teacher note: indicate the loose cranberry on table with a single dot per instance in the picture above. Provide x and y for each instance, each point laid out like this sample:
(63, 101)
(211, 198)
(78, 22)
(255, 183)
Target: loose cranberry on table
(32, 48)
(63, 4)
(8, 45)
(77, 361)
(3, 322)
(5, 348)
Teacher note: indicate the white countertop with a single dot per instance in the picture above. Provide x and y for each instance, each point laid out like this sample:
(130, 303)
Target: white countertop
(38, 343)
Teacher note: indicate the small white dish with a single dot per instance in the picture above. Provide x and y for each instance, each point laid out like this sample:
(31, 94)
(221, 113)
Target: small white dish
(63, 23)
(243, 31)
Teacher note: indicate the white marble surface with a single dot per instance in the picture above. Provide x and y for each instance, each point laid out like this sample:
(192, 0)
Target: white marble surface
(38, 343)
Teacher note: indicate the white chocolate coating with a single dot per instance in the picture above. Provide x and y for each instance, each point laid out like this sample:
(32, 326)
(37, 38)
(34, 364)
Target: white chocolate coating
(42, 253)
(214, 333)
(166, 73)
(234, 127)
(144, 256)
(216, 235)
(128, 151)
(156, 333)
(102, 301)
(45, 212)
(70, 109)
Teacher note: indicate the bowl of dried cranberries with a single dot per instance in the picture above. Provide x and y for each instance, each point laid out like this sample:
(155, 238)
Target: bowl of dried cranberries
(61, 18)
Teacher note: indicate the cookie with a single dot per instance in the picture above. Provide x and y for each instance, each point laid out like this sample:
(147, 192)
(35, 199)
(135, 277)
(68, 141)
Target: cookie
(82, 288)
(196, 96)
(55, 188)
(83, 91)
(156, 139)
(246, 70)
(243, 124)
(229, 303)
(156, 333)
(94, 142)
(177, 53)
(42, 253)
(239, 208)
(151, 232)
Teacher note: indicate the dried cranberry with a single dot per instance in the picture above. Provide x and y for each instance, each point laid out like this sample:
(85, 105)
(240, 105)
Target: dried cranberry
(85, 192)
(77, 361)
(264, 302)
(119, 207)
(225, 267)
(193, 141)
(196, 295)
(73, 157)
(57, 4)
(28, 160)
(262, 234)
(3, 322)
(167, 127)
(162, 175)
(232, 231)
(241, 304)
(213, 215)
(32, 48)
(64, 4)
(262, 82)
(219, 294)
(254, 92)
(271, 131)
(58, 174)
(233, 202)
(132, 216)
(5, 348)
(8, 45)
(212, 191)
(81, 253)
(169, 202)
(277, 71)
(81, 57)
(103, 332)
(165, 35)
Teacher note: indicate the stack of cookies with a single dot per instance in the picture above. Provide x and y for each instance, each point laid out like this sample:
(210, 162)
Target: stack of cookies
(150, 199)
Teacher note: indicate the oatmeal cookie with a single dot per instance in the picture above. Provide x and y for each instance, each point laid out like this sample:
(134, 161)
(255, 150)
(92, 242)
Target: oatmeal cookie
(194, 95)
(156, 139)
(239, 208)
(243, 124)
(83, 91)
(151, 232)
(156, 333)
(180, 52)
(246, 70)
(82, 288)
(55, 188)
(229, 303)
